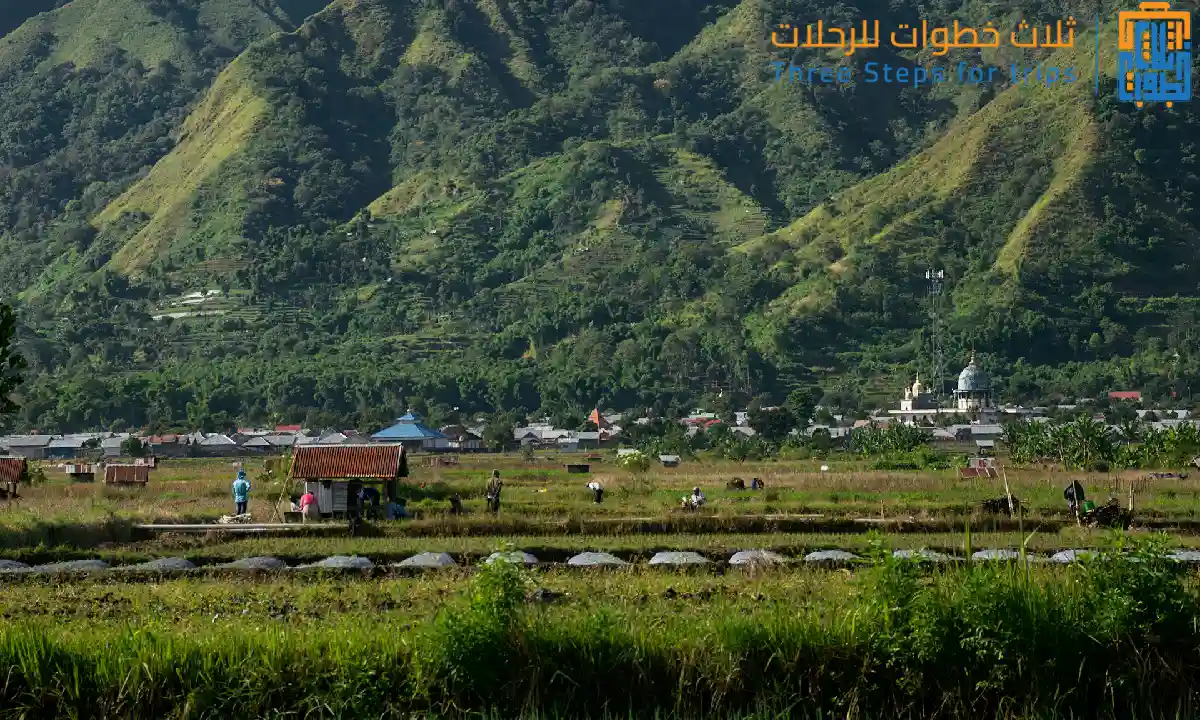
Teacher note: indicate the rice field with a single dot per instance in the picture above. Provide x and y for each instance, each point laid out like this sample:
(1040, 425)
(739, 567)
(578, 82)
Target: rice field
(891, 639)
(1104, 639)
(199, 490)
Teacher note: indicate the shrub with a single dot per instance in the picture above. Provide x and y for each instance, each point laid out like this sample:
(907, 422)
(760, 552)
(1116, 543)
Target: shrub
(635, 462)
(474, 641)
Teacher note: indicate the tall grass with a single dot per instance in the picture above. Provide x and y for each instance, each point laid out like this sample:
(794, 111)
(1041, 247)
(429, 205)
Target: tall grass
(1115, 637)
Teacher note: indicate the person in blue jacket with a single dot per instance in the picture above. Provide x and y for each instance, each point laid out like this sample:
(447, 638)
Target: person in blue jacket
(241, 492)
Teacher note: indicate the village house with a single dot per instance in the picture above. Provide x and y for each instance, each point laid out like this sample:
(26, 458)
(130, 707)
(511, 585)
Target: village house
(30, 447)
(219, 445)
(410, 432)
(258, 444)
(459, 438)
(539, 434)
(168, 446)
(68, 447)
(110, 447)
(567, 443)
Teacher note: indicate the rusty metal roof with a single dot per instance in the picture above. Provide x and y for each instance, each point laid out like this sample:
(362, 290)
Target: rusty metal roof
(11, 469)
(127, 473)
(374, 462)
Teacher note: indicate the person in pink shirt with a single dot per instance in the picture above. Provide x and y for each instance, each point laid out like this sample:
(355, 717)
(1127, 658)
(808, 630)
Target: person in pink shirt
(308, 507)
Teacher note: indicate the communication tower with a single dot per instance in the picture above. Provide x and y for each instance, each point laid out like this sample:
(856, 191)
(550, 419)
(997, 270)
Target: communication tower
(936, 280)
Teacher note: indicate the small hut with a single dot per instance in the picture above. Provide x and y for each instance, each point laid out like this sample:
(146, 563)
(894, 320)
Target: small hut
(334, 473)
(80, 472)
(126, 475)
(13, 471)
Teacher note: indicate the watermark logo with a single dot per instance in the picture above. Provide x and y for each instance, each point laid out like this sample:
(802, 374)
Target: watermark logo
(1155, 54)
(938, 39)
(941, 39)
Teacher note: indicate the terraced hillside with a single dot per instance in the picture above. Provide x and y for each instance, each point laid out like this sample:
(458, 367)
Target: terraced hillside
(550, 206)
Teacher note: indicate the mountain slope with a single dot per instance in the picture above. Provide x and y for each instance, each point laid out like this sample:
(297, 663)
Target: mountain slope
(1020, 204)
(497, 204)
(90, 94)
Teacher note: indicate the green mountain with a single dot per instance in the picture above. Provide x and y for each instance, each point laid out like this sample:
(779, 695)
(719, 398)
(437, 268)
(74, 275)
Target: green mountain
(235, 210)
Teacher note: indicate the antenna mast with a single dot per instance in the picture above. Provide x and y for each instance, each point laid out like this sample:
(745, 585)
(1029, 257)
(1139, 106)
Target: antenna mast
(936, 279)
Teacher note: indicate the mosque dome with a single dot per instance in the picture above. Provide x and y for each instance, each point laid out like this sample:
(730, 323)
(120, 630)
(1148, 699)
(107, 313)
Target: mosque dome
(917, 388)
(973, 378)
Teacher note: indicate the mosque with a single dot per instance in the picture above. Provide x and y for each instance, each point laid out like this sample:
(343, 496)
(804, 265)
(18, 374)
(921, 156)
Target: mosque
(972, 398)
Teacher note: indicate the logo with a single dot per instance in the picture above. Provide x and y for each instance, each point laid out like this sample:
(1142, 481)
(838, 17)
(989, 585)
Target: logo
(1155, 54)
(937, 38)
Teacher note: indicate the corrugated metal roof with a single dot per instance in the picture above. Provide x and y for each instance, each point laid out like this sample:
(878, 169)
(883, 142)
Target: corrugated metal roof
(218, 440)
(11, 469)
(379, 462)
(28, 440)
(982, 429)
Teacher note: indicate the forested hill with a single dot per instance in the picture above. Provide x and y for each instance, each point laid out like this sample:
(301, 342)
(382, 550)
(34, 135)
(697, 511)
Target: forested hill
(239, 211)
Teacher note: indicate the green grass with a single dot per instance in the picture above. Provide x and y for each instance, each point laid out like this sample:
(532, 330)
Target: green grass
(216, 131)
(1109, 639)
(548, 511)
(85, 30)
(543, 493)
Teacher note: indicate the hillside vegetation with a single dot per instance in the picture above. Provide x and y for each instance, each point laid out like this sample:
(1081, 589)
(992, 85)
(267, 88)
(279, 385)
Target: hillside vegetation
(507, 204)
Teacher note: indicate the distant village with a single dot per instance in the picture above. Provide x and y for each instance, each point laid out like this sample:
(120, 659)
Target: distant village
(970, 417)
(982, 432)
(408, 430)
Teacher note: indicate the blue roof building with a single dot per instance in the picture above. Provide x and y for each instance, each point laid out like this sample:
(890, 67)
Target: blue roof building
(409, 430)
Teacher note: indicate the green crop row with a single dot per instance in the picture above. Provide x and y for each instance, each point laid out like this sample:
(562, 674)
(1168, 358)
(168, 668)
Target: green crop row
(1110, 638)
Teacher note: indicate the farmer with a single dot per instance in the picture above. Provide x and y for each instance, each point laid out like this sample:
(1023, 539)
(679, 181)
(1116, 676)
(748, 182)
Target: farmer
(368, 498)
(597, 492)
(397, 509)
(241, 493)
(309, 508)
(456, 506)
(1074, 497)
(697, 498)
(494, 487)
(756, 484)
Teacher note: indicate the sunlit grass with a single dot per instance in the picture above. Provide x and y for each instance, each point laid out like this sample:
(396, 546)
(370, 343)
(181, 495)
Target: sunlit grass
(1106, 639)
